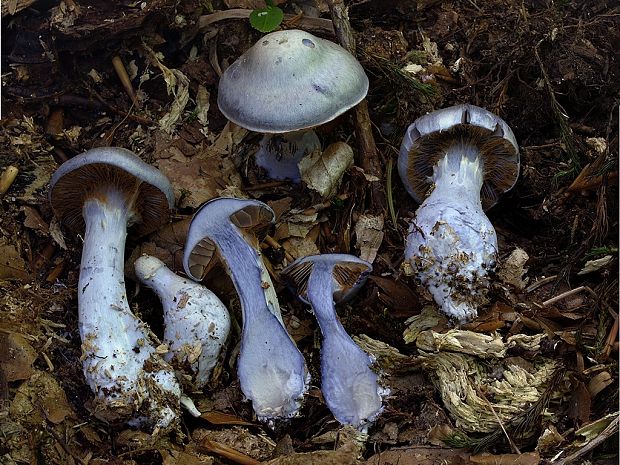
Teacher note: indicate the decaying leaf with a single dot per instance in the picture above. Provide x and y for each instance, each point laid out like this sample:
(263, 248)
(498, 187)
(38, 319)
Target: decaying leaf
(202, 105)
(599, 382)
(420, 455)
(323, 172)
(527, 458)
(590, 431)
(369, 233)
(512, 270)
(256, 446)
(177, 84)
(397, 296)
(40, 398)
(220, 418)
(16, 356)
(12, 266)
(549, 440)
(594, 265)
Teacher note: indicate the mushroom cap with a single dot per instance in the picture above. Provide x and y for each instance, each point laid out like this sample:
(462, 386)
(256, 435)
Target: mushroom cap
(428, 138)
(348, 273)
(212, 223)
(290, 80)
(87, 174)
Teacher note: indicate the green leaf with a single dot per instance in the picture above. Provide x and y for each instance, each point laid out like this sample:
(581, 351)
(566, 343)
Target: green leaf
(266, 19)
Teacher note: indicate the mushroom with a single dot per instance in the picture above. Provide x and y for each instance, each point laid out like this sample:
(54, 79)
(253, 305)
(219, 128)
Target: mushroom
(456, 162)
(101, 192)
(272, 372)
(350, 388)
(285, 84)
(196, 322)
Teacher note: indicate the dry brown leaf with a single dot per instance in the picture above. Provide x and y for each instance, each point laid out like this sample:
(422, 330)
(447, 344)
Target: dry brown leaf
(12, 266)
(40, 398)
(599, 382)
(397, 296)
(220, 418)
(33, 219)
(16, 356)
(369, 233)
(527, 458)
(580, 404)
(420, 456)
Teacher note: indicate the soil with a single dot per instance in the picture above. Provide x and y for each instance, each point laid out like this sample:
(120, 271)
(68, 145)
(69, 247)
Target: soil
(549, 69)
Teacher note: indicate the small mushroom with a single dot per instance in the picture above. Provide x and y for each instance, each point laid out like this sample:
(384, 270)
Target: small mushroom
(101, 192)
(272, 371)
(350, 388)
(456, 162)
(290, 81)
(196, 322)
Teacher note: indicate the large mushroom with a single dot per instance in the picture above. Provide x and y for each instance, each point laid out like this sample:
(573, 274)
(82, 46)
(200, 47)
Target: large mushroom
(196, 322)
(100, 193)
(350, 388)
(284, 85)
(272, 371)
(456, 162)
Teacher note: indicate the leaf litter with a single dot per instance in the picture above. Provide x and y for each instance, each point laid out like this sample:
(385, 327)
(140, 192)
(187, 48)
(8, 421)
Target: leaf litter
(530, 381)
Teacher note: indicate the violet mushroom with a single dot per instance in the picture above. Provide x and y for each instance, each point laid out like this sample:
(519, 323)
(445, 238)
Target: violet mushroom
(272, 371)
(196, 322)
(456, 162)
(101, 192)
(350, 388)
(284, 85)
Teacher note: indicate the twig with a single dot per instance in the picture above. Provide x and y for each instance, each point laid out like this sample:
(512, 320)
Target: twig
(499, 422)
(564, 295)
(227, 452)
(608, 432)
(540, 282)
(7, 178)
(311, 24)
(368, 156)
(390, 194)
(121, 72)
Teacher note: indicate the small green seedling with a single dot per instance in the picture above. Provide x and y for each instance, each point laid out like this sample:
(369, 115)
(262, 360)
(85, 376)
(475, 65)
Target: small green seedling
(266, 19)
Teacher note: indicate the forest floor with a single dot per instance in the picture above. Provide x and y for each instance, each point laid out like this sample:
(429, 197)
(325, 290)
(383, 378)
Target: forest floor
(546, 393)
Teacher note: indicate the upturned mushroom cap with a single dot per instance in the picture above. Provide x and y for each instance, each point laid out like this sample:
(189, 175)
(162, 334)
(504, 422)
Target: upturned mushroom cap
(252, 216)
(290, 80)
(348, 274)
(428, 138)
(90, 173)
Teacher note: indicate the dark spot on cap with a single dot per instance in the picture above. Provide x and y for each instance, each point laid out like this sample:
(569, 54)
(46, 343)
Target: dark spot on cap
(278, 60)
(265, 42)
(308, 43)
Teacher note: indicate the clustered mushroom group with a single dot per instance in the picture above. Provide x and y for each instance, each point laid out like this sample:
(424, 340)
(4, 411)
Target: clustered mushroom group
(456, 161)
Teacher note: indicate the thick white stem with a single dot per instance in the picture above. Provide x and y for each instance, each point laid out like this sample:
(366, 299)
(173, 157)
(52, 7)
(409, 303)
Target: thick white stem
(451, 244)
(120, 364)
(196, 322)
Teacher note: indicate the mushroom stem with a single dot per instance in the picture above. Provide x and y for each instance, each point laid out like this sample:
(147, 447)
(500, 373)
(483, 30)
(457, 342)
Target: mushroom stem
(120, 364)
(280, 154)
(196, 322)
(349, 386)
(269, 361)
(451, 243)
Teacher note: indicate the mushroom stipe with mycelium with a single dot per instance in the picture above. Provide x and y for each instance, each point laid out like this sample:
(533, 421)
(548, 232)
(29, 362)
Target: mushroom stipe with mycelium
(287, 83)
(457, 162)
(350, 388)
(101, 193)
(272, 372)
(196, 322)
